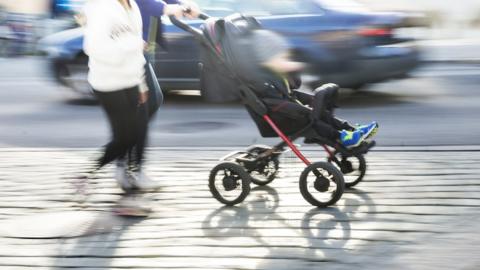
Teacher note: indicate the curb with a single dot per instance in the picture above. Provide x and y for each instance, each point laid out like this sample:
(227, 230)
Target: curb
(451, 61)
(440, 148)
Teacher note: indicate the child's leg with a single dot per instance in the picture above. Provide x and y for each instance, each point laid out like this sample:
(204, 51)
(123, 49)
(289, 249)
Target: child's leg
(320, 105)
(324, 102)
(337, 123)
(326, 130)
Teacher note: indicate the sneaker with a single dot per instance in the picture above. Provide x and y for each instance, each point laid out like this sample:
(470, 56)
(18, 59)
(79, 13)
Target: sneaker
(80, 185)
(122, 176)
(351, 139)
(143, 182)
(368, 130)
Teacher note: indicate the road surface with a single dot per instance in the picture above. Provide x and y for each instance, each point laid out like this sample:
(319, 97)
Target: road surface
(439, 105)
(414, 210)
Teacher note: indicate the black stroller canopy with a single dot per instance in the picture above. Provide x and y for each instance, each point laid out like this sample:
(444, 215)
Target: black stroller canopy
(231, 37)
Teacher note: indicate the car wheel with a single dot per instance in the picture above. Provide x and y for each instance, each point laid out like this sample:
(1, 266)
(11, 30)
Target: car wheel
(78, 81)
(359, 87)
(60, 71)
(74, 76)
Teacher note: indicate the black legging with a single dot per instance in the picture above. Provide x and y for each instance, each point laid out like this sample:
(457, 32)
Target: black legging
(129, 125)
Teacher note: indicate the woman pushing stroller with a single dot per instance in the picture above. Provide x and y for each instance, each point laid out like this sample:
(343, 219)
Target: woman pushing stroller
(115, 33)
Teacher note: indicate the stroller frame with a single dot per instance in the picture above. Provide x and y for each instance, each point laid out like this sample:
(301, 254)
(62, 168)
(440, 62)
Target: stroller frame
(248, 162)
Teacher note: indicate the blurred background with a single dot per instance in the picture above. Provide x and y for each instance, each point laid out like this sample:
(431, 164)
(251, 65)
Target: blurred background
(30, 20)
(411, 65)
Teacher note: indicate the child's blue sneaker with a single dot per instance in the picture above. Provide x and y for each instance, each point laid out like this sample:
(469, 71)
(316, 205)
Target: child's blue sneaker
(351, 139)
(368, 130)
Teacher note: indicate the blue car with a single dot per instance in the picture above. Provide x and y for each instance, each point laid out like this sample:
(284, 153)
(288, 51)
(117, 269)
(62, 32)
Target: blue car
(342, 41)
(64, 7)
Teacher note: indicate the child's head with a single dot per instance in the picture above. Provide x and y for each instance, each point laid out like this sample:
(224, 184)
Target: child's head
(272, 51)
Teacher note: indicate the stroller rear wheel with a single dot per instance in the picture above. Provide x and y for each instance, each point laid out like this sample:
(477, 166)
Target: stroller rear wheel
(353, 167)
(321, 184)
(229, 183)
(265, 172)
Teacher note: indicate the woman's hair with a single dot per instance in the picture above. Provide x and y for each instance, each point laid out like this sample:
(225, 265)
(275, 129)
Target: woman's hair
(128, 3)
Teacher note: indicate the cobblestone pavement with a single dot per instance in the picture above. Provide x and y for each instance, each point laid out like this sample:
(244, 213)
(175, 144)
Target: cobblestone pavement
(415, 210)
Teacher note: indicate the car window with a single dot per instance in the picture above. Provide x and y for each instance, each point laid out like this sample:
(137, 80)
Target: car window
(222, 8)
(217, 8)
(342, 5)
(69, 5)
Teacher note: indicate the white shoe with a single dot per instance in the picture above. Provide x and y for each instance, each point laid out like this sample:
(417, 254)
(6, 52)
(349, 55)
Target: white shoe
(122, 176)
(143, 182)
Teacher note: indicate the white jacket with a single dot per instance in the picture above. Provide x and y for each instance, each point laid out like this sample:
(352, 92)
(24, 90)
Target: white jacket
(113, 41)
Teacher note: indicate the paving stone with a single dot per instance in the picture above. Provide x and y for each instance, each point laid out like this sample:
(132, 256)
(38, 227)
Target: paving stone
(414, 210)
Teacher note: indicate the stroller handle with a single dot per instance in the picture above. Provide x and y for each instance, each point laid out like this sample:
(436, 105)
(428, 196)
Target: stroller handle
(203, 16)
(188, 10)
(184, 26)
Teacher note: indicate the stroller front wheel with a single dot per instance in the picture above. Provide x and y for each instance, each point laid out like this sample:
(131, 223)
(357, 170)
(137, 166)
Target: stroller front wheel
(353, 167)
(229, 183)
(321, 184)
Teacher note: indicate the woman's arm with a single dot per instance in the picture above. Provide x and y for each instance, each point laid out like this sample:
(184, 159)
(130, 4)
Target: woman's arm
(173, 7)
(160, 8)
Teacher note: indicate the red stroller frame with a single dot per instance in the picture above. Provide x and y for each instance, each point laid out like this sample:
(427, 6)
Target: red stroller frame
(287, 140)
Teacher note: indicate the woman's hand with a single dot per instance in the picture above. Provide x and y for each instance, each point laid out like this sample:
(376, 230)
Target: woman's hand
(142, 97)
(80, 19)
(192, 7)
(174, 10)
(179, 10)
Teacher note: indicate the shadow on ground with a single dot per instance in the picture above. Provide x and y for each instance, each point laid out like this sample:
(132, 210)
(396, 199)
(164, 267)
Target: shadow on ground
(326, 232)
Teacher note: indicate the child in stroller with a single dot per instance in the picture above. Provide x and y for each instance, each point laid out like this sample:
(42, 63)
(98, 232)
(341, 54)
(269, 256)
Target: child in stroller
(277, 73)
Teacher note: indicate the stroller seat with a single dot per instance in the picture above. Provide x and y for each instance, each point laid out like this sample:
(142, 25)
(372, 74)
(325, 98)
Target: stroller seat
(291, 125)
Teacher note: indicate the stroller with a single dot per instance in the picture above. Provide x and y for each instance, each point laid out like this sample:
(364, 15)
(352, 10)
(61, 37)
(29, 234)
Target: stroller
(321, 183)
